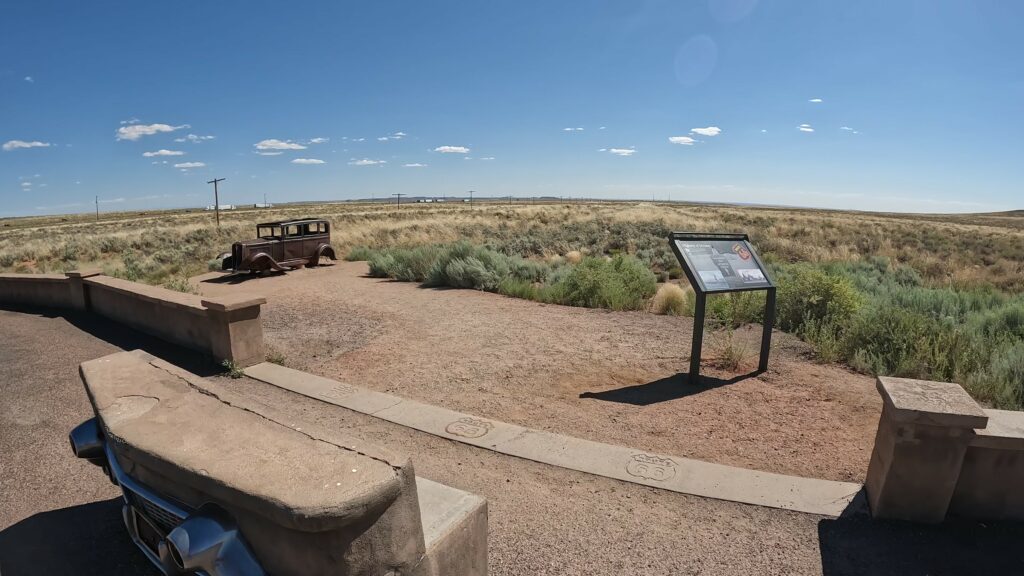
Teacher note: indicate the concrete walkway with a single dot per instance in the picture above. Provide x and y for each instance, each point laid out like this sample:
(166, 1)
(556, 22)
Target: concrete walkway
(673, 473)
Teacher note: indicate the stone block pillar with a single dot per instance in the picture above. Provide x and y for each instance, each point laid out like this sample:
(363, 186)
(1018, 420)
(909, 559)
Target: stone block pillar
(922, 437)
(236, 331)
(79, 290)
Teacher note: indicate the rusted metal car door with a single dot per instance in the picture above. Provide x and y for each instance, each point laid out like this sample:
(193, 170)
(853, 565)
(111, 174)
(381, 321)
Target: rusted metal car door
(293, 241)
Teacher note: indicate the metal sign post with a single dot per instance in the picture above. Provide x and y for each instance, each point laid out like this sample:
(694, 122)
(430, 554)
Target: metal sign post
(719, 263)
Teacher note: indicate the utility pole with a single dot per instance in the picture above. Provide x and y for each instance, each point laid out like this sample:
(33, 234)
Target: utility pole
(399, 200)
(97, 208)
(216, 198)
(509, 199)
(471, 198)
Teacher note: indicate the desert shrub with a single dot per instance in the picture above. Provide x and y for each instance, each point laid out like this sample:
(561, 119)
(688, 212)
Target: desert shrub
(360, 254)
(468, 273)
(1003, 322)
(1002, 381)
(112, 244)
(735, 309)
(621, 283)
(180, 284)
(520, 289)
(673, 300)
(382, 264)
(810, 294)
(890, 340)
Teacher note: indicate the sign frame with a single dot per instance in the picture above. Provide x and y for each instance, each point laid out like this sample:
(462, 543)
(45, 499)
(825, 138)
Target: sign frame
(701, 292)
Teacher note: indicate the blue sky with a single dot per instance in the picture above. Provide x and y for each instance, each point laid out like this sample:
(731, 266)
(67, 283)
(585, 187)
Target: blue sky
(877, 105)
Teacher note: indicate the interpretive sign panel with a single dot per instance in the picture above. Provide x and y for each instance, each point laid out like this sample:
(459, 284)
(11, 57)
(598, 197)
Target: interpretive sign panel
(717, 263)
(721, 265)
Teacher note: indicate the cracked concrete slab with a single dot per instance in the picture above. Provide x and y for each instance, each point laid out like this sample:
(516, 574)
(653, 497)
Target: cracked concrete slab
(673, 473)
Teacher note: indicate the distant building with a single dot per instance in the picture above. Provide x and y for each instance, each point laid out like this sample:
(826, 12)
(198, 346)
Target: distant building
(262, 205)
(222, 207)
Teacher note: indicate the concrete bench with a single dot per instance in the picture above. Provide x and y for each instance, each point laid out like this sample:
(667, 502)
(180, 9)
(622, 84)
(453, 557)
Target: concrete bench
(304, 501)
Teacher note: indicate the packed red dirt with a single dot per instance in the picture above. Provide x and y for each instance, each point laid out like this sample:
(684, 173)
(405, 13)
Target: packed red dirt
(616, 377)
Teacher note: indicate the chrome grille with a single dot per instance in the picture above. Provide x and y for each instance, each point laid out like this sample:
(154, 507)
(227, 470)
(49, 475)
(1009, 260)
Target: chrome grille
(163, 519)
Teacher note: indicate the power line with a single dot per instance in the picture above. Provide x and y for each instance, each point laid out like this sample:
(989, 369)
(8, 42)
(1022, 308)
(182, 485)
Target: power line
(399, 195)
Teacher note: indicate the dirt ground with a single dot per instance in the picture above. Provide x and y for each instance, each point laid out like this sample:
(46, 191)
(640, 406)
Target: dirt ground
(59, 515)
(616, 377)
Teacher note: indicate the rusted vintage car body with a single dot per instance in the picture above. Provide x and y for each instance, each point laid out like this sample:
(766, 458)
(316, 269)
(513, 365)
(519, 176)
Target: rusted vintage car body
(282, 245)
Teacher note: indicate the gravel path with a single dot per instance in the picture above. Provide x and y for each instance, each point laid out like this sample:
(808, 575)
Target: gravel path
(608, 376)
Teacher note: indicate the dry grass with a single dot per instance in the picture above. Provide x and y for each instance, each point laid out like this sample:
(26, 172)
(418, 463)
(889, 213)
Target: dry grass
(960, 251)
(673, 300)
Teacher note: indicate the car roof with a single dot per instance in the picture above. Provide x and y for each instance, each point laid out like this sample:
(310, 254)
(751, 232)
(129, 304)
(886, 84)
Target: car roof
(292, 222)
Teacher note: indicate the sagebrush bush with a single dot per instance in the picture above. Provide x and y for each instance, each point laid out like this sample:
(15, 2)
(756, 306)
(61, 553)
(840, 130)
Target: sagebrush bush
(810, 294)
(1002, 381)
(621, 283)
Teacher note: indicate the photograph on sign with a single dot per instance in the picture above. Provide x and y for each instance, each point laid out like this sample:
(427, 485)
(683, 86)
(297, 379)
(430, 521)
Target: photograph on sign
(722, 265)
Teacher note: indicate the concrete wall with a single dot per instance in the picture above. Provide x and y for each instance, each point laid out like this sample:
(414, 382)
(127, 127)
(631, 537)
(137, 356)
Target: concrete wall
(47, 290)
(168, 315)
(224, 328)
(937, 453)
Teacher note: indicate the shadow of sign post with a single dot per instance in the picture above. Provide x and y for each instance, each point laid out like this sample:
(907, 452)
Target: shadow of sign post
(716, 264)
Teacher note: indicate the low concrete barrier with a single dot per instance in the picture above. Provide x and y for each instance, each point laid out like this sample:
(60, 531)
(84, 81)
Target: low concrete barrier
(49, 290)
(304, 500)
(937, 452)
(224, 328)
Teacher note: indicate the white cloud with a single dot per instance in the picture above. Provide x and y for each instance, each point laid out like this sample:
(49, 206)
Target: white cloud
(163, 152)
(30, 79)
(394, 136)
(848, 129)
(684, 140)
(308, 161)
(270, 153)
(367, 162)
(622, 151)
(187, 165)
(805, 128)
(132, 120)
(816, 100)
(488, 158)
(709, 131)
(318, 140)
(399, 135)
(383, 139)
(602, 128)
(572, 129)
(26, 184)
(275, 144)
(764, 131)
(414, 165)
(193, 138)
(452, 149)
(358, 139)
(16, 144)
(135, 131)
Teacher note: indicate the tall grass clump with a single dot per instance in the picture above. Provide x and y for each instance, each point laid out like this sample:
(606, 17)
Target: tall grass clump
(672, 300)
